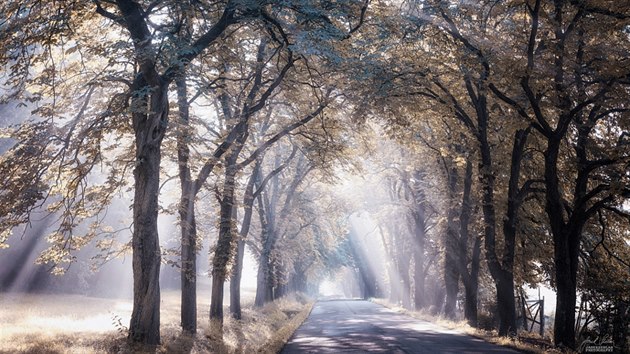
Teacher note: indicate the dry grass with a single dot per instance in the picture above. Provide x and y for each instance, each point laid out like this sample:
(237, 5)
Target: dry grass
(524, 342)
(38, 323)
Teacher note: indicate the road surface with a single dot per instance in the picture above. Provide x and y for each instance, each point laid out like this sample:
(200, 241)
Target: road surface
(354, 326)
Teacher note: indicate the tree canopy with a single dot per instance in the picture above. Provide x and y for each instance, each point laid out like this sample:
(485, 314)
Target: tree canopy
(490, 139)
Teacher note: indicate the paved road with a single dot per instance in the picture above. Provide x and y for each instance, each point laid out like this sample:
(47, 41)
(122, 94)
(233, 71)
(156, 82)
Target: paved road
(353, 326)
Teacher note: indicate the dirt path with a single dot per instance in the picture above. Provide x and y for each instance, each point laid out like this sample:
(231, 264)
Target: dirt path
(352, 326)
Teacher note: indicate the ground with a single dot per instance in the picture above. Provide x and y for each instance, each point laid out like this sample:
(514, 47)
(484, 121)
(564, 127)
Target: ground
(56, 323)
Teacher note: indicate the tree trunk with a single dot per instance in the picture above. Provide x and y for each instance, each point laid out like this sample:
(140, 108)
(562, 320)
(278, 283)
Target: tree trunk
(394, 292)
(418, 280)
(565, 267)
(620, 324)
(451, 284)
(506, 304)
(235, 281)
(470, 302)
(264, 286)
(264, 292)
(419, 219)
(470, 278)
(223, 251)
(149, 130)
(566, 262)
(564, 323)
(188, 224)
(451, 273)
(248, 201)
(189, 271)
(501, 273)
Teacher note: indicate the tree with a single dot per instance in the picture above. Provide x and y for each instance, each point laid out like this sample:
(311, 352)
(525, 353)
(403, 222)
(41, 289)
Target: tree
(570, 106)
(149, 103)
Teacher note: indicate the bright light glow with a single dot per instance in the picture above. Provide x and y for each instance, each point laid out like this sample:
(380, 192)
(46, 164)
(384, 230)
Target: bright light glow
(329, 288)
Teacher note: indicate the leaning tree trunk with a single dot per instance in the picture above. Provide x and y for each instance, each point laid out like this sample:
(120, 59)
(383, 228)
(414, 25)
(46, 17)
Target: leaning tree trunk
(149, 131)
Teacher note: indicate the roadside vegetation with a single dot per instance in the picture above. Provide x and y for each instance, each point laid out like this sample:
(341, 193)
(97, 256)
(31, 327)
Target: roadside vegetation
(525, 342)
(44, 323)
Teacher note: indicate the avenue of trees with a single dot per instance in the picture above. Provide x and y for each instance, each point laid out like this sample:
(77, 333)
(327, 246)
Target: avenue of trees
(493, 136)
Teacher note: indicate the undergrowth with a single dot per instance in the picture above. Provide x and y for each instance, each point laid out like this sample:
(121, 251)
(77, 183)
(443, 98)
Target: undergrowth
(26, 327)
(525, 342)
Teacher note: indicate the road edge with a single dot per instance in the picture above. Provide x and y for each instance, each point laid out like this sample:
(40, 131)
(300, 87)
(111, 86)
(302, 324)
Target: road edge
(278, 341)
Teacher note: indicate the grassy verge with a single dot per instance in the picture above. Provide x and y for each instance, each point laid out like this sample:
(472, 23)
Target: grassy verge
(524, 342)
(56, 324)
(275, 343)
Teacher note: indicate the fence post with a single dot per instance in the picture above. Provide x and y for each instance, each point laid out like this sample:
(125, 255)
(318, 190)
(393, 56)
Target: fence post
(523, 305)
(542, 317)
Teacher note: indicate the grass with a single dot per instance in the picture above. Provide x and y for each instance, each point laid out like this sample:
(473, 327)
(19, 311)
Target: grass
(524, 342)
(44, 323)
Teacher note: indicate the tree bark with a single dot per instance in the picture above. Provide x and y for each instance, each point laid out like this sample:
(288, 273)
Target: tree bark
(188, 271)
(419, 277)
(272, 222)
(235, 281)
(223, 251)
(149, 130)
(451, 273)
(264, 291)
(470, 278)
(419, 219)
(451, 285)
(501, 271)
(150, 119)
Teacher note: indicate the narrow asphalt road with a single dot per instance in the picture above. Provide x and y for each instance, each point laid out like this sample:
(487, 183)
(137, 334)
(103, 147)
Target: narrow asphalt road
(353, 326)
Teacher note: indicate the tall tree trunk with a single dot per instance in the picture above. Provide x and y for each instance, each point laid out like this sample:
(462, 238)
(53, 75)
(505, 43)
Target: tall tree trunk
(272, 222)
(565, 251)
(419, 218)
(223, 251)
(149, 131)
(188, 271)
(451, 273)
(470, 278)
(248, 201)
(501, 273)
(149, 125)
(264, 291)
